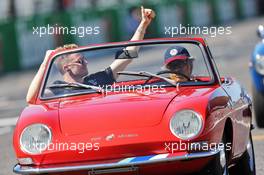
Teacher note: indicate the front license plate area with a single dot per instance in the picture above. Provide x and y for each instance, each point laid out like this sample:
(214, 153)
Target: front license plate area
(121, 171)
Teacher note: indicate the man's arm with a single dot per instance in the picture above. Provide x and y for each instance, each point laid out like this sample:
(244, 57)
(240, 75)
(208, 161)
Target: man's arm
(146, 17)
(36, 82)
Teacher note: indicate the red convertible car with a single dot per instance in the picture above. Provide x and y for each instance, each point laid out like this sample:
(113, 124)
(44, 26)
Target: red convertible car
(167, 112)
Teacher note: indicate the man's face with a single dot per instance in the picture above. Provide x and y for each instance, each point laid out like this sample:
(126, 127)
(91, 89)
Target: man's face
(77, 65)
(184, 67)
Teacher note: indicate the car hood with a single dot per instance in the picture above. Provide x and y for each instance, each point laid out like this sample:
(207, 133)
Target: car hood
(91, 114)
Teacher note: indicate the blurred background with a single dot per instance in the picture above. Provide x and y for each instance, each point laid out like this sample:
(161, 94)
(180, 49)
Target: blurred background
(117, 19)
(21, 52)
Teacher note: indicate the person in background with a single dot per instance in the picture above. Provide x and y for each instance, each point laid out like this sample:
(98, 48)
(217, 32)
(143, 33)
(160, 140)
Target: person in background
(132, 21)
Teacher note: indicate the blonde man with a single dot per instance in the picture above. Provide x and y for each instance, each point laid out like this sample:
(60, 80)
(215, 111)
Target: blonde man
(74, 67)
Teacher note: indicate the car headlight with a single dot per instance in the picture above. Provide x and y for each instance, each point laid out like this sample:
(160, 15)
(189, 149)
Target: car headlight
(186, 124)
(35, 138)
(260, 64)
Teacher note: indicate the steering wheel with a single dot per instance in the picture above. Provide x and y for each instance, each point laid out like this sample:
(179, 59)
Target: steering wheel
(166, 72)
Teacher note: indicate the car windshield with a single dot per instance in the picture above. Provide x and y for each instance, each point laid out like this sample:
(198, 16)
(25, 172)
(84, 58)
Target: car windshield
(100, 69)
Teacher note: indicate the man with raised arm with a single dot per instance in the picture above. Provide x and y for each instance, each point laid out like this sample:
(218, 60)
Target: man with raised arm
(73, 67)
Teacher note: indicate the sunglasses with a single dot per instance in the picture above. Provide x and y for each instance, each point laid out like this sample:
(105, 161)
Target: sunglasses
(81, 60)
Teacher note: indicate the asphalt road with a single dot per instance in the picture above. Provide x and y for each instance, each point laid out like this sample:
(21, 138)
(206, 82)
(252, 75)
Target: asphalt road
(232, 53)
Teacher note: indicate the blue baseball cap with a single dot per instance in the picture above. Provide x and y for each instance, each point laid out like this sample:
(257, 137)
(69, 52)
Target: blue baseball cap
(175, 53)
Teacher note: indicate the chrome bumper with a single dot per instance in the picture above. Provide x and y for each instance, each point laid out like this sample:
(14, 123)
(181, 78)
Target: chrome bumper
(128, 162)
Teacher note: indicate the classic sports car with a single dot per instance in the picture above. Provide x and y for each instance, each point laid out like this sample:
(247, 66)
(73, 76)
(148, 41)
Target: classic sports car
(157, 117)
(257, 74)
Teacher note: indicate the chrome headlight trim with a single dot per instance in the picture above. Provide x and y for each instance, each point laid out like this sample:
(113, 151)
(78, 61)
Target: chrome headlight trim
(194, 135)
(259, 64)
(22, 145)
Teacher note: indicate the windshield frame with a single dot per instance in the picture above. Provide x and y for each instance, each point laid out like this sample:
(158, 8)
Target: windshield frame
(203, 46)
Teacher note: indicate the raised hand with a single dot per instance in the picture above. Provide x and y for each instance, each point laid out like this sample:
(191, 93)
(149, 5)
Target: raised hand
(147, 15)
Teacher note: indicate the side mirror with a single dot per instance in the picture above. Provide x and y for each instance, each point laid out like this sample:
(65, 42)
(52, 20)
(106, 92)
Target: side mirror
(260, 31)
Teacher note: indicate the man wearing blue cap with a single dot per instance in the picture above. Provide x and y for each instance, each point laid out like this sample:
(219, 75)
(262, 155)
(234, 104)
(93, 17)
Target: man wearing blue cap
(179, 62)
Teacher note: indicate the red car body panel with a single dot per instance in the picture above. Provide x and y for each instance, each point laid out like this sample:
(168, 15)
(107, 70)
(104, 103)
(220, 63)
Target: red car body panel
(137, 123)
(114, 114)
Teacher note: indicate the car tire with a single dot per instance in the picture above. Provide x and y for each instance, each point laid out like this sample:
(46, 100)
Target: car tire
(246, 165)
(218, 166)
(258, 101)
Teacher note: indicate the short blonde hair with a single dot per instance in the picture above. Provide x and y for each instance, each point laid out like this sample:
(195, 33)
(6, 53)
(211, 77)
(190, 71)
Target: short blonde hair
(62, 60)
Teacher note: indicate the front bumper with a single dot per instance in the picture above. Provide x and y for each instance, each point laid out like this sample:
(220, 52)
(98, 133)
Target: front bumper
(128, 163)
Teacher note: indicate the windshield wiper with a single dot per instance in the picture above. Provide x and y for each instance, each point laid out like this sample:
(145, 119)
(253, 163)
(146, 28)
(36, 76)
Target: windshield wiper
(77, 85)
(148, 74)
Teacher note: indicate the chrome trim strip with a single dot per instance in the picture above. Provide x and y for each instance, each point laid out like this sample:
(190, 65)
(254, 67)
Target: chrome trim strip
(32, 170)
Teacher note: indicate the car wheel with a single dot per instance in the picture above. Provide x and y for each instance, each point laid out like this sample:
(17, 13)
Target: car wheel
(218, 166)
(258, 100)
(246, 165)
